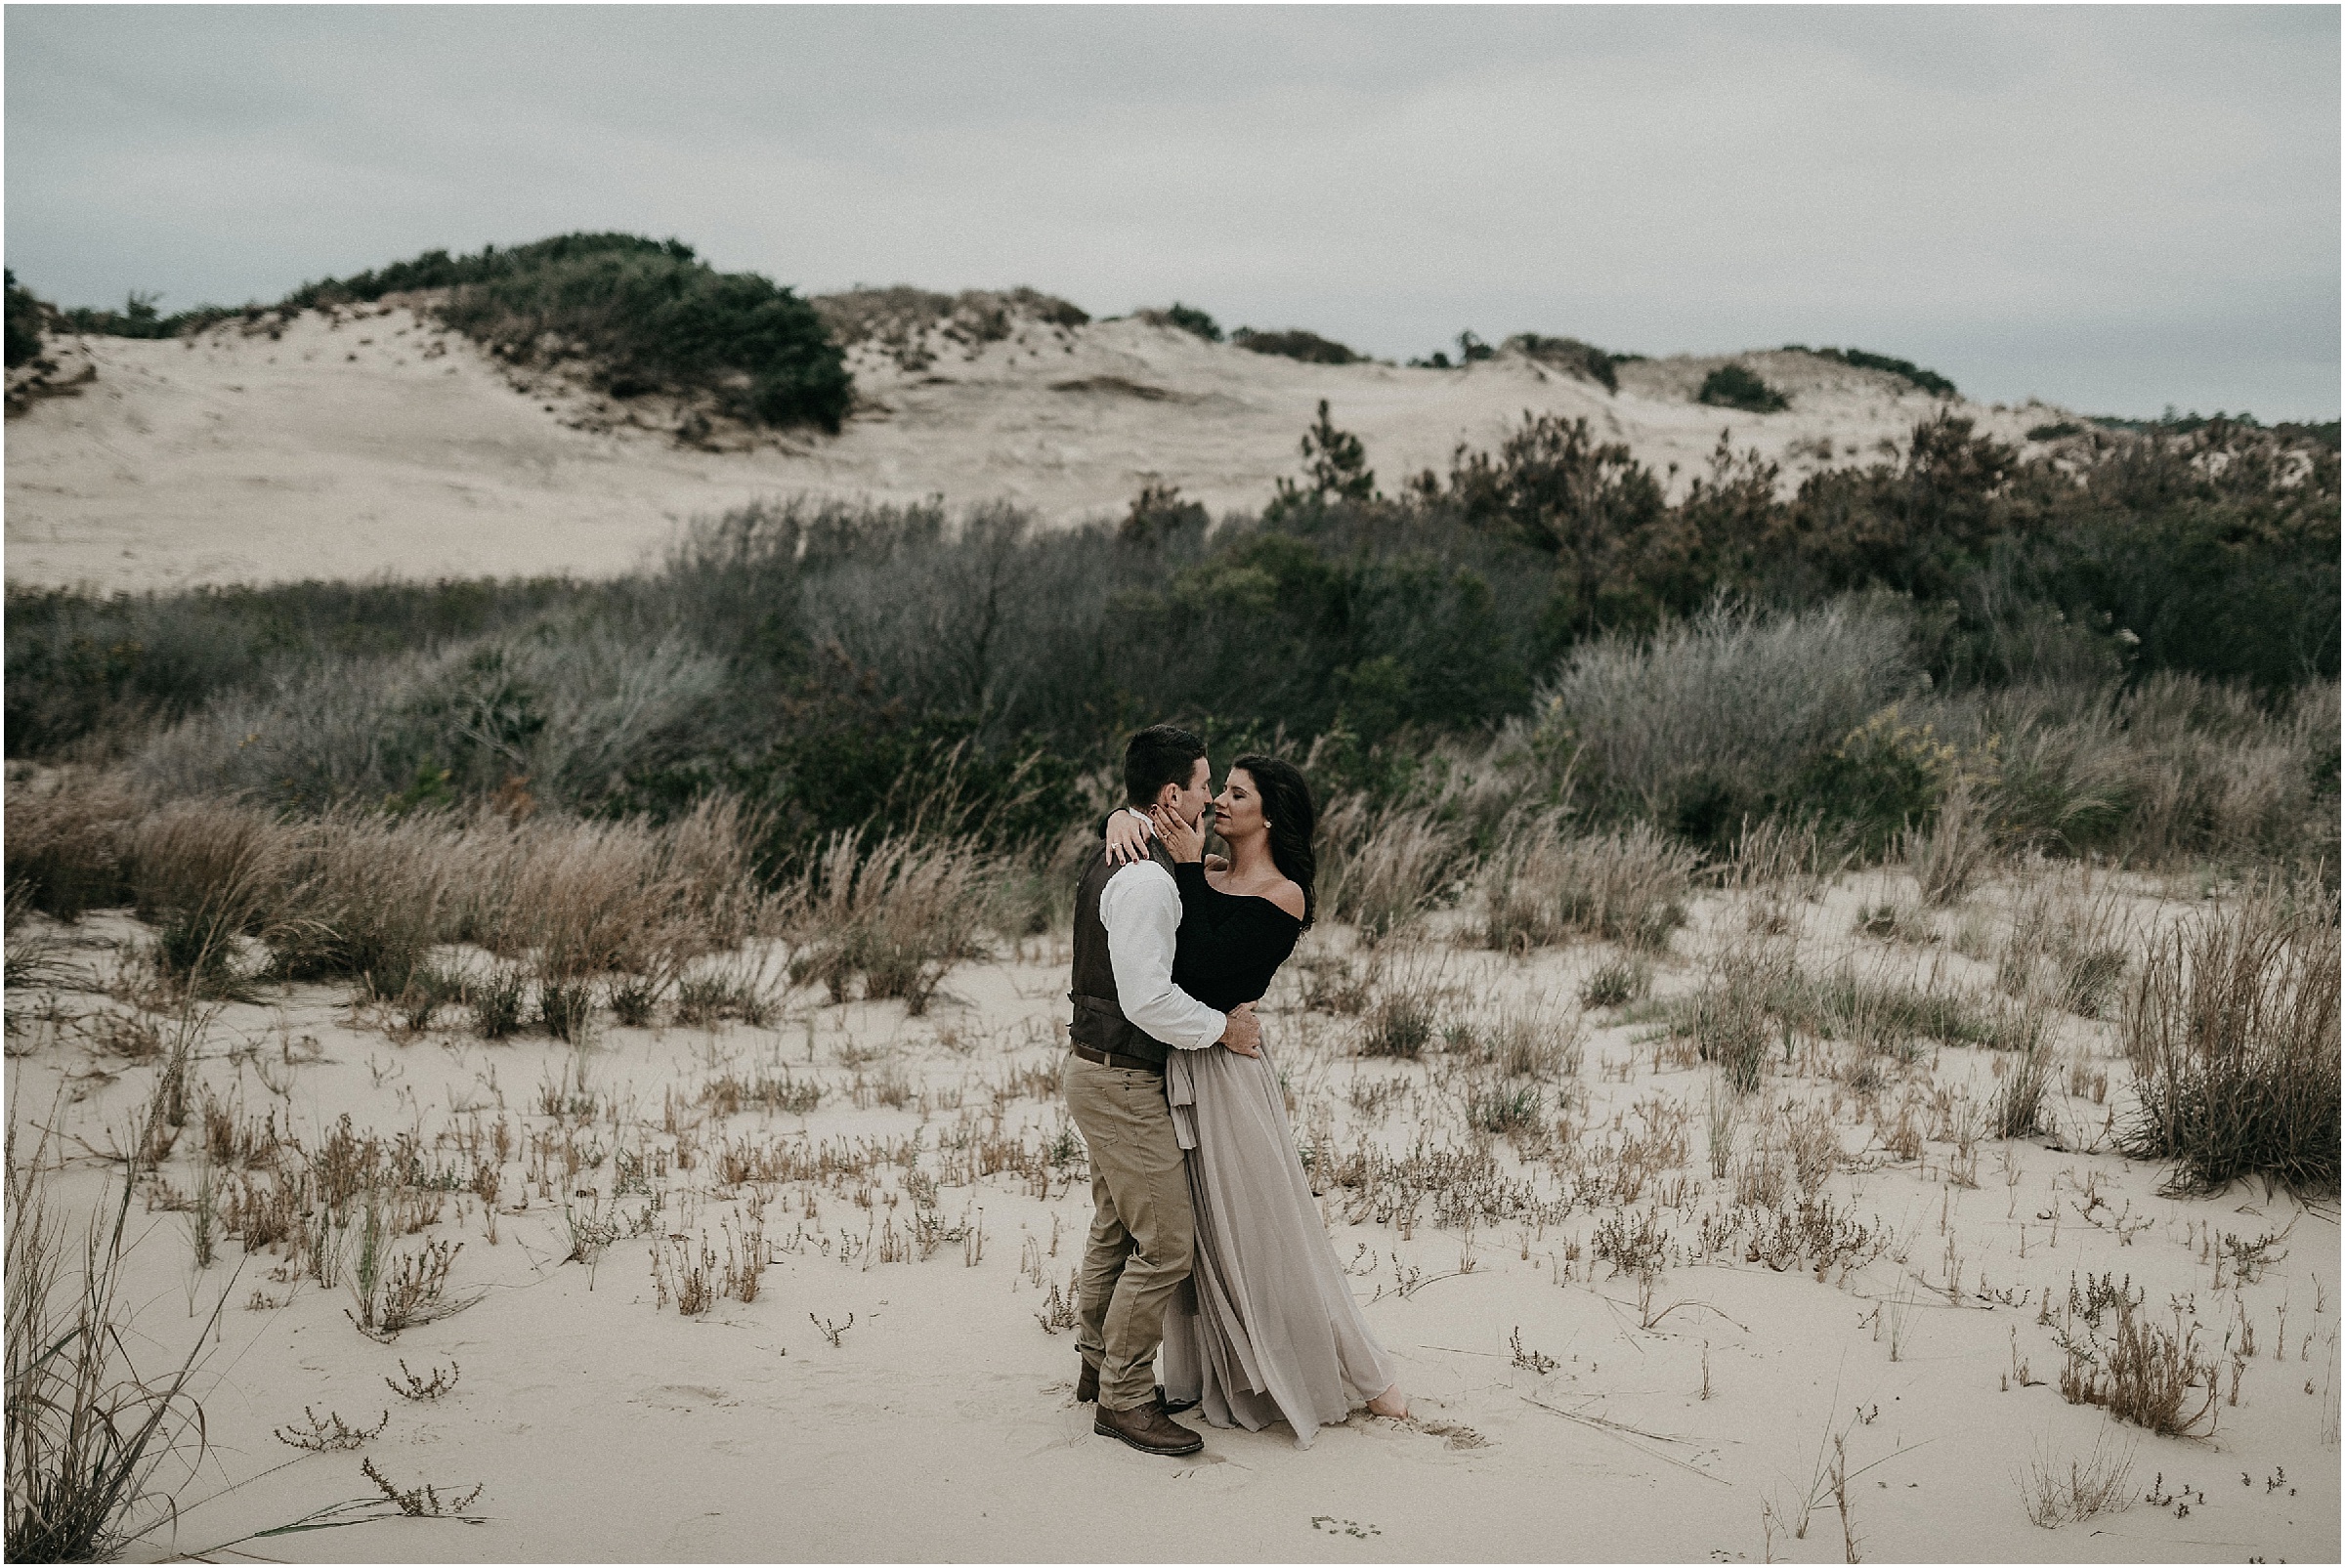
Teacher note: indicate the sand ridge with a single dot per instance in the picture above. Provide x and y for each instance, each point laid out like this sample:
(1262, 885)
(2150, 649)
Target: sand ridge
(369, 441)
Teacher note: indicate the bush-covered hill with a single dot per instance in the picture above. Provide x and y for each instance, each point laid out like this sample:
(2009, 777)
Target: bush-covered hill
(631, 314)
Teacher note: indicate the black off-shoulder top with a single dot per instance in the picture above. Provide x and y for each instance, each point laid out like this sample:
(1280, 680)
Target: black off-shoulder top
(1230, 944)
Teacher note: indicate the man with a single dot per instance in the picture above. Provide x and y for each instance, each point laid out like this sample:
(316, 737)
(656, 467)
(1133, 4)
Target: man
(1128, 1018)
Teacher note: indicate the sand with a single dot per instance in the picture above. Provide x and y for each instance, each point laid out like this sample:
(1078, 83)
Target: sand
(355, 444)
(1697, 1422)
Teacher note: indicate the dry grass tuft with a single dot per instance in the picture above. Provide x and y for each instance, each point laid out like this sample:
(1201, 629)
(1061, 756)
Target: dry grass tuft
(205, 874)
(1531, 1040)
(2016, 1110)
(1733, 1015)
(2232, 1031)
(64, 841)
(1617, 983)
(1382, 869)
(1950, 856)
(368, 898)
(1543, 885)
(586, 898)
(2069, 946)
(1404, 1006)
(86, 1431)
(898, 915)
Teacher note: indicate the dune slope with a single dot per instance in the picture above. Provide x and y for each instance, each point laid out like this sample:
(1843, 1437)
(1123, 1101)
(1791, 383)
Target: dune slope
(365, 442)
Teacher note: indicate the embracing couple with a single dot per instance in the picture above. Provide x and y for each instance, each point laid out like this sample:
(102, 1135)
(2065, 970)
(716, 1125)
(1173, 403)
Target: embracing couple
(1204, 1237)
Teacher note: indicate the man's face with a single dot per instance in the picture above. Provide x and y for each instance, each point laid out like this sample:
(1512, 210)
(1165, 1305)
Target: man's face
(1189, 804)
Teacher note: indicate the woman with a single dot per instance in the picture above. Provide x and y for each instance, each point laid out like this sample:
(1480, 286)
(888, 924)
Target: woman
(1267, 1329)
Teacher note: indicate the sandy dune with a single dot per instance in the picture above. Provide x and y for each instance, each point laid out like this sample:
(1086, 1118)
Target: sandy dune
(372, 442)
(1559, 1416)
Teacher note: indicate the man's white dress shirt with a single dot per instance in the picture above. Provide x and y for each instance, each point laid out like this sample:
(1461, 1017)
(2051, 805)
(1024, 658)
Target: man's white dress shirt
(1141, 906)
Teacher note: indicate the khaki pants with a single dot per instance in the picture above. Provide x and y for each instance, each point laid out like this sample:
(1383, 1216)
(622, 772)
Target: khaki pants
(1142, 1231)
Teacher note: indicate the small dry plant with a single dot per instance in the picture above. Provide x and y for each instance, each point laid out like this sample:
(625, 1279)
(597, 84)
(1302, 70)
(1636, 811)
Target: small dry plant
(2069, 946)
(411, 1290)
(774, 1090)
(1059, 1310)
(2140, 1373)
(1733, 1023)
(424, 1390)
(739, 990)
(331, 1434)
(2057, 1491)
(1408, 999)
(696, 1280)
(1814, 1143)
(1529, 1360)
(1896, 923)
(422, 1501)
(1723, 1108)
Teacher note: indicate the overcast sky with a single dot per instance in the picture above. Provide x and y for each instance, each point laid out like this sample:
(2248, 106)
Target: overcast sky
(2113, 209)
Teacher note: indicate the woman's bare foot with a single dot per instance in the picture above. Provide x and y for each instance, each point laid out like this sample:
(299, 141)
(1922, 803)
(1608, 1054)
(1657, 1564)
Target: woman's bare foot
(1390, 1403)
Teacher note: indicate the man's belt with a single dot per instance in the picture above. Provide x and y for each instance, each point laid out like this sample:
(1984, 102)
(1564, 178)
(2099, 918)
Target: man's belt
(1130, 1063)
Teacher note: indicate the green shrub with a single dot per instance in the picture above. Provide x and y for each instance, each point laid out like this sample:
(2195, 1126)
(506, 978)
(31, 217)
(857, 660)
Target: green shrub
(645, 315)
(1295, 344)
(1929, 381)
(1187, 318)
(1338, 466)
(1882, 777)
(652, 317)
(28, 318)
(1734, 386)
(1739, 713)
(1571, 357)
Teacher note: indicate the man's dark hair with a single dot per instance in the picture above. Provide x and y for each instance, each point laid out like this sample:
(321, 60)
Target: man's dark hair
(1161, 755)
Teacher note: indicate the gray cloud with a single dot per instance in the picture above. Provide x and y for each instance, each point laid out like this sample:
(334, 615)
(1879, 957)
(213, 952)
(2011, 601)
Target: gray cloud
(2111, 207)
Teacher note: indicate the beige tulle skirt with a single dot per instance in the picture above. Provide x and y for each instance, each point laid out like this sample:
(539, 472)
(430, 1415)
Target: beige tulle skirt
(1265, 1329)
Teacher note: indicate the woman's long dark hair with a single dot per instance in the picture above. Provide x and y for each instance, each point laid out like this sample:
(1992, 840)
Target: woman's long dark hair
(1288, 808)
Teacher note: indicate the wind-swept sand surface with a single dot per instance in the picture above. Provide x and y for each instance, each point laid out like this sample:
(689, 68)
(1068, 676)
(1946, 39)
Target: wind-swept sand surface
(1566, 1408)
(354, 444)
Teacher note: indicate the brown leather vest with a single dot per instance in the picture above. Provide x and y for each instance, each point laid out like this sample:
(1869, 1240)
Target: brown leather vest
(1099, 1020)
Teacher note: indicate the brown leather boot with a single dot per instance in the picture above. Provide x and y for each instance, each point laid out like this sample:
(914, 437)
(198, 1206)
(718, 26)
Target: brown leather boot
(1086, 1390)
(1148, 1428)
